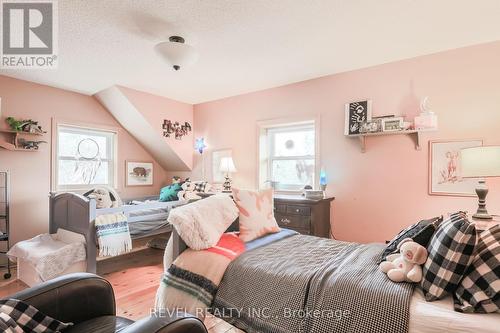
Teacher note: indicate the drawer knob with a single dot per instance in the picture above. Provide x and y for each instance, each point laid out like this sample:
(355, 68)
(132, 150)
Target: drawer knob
(285, 221)
(297, 210)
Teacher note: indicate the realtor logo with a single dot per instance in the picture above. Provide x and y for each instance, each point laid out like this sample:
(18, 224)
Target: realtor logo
(29, 34)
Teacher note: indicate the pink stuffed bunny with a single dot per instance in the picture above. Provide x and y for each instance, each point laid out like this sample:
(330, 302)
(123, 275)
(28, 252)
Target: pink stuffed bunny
(405, 266)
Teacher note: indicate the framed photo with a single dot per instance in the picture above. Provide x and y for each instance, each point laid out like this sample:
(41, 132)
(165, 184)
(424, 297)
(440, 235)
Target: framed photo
(138, 173)
(357, 113)
(217, 155)
(392, 124)
(444, 168)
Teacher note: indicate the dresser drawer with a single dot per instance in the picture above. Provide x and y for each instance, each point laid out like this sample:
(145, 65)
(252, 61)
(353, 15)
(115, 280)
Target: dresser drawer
(300, 210)
(280, 208)
(293, 221)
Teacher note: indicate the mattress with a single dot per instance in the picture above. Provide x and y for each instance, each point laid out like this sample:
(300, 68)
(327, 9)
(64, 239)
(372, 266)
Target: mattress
(439, 317)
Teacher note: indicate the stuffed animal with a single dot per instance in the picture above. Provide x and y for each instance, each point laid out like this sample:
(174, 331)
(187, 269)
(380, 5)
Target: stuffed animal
(104, 197)
(405, 265)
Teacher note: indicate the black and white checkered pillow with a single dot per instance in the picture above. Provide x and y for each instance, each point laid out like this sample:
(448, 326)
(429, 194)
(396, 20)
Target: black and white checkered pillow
(450, 253)
(17, 315)
(479, 290)
(200, 186)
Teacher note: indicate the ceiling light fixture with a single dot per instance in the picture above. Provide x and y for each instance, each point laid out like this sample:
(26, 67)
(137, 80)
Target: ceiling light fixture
(177, 52)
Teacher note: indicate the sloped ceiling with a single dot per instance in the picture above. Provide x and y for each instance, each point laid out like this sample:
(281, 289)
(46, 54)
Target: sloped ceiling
(145, 132)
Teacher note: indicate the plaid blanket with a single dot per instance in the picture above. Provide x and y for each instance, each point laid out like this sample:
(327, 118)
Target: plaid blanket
(190, 283)
(19, 317)
(113, 234)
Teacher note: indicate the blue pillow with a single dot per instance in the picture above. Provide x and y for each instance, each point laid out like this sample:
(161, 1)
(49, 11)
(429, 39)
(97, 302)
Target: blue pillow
(169, 193)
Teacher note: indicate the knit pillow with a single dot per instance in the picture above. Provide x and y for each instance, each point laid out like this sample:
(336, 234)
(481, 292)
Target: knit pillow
(256, 213)
(479, 291)
(421, 232)
(450, 254)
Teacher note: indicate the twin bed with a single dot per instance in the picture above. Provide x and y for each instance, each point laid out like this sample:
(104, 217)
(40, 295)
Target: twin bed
(76, 213)
(288, 282)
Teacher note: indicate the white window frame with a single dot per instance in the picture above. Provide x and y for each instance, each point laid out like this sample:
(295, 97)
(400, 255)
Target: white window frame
(112, 145)
(265, 147)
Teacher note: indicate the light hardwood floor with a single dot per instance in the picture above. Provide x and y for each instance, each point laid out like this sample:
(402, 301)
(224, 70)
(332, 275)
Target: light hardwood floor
(135, 279)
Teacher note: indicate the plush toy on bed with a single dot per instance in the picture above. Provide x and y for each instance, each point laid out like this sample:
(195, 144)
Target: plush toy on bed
(105, 197)
(405, 265)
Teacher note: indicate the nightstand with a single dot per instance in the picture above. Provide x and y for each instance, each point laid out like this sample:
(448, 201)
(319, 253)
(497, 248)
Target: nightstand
(482, 225)
(307, 216)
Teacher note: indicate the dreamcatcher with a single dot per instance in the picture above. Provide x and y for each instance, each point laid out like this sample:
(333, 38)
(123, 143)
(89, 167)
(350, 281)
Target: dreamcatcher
(88, 160)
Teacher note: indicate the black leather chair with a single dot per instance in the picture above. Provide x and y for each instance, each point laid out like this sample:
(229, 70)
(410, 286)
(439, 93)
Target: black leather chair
(88, 301)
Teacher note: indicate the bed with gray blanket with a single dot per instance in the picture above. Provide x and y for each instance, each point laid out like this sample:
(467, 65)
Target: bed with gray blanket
(309, 284)
(298, 283)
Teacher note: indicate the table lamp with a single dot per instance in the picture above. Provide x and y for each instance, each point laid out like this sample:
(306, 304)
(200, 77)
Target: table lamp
(481, 162)
(226, 167)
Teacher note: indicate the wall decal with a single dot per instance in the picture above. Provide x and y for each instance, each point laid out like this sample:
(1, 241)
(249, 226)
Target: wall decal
(175, 129)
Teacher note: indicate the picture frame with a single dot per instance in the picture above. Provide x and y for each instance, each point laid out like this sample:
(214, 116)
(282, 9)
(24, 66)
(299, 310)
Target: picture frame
(138, 173)
(444, 168)
(357, 113)
(393, 124)
(218, 177)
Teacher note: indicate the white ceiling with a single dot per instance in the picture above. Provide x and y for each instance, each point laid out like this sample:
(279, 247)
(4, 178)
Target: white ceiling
(248, 45)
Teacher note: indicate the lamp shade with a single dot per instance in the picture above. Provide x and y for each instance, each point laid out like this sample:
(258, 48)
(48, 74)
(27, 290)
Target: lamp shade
(227, 165)
(479, 162)
(177, 54)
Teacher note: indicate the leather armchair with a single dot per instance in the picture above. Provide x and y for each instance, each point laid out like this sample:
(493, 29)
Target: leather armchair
(88, 301)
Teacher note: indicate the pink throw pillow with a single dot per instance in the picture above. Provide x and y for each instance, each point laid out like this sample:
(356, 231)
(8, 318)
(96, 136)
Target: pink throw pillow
(256, 213)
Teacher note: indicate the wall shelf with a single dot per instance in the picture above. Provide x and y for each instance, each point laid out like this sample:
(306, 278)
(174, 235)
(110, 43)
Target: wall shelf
(12, 142)
(414, 134)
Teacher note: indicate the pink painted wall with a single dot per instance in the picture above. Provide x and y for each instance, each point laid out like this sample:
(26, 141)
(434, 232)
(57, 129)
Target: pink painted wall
(31, 170)
(379, 192)
(155, 109)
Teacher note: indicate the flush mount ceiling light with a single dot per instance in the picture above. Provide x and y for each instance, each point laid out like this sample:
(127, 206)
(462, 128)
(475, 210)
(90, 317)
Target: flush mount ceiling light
(176, 52)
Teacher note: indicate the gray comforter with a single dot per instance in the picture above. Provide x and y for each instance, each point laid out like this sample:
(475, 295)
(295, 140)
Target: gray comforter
(310, 284)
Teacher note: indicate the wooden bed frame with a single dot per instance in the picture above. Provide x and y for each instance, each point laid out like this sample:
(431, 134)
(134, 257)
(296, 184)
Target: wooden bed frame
(76, 213)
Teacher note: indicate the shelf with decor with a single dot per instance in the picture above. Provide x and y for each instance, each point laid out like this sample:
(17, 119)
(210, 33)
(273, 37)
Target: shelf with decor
(12, 140)
(414, 134)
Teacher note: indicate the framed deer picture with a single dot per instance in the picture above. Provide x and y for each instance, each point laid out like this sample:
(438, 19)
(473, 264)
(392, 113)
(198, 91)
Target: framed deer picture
(445, 171)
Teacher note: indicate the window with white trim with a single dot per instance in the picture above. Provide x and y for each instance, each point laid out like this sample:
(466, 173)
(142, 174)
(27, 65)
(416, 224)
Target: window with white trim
(85, 157)
(291, 156)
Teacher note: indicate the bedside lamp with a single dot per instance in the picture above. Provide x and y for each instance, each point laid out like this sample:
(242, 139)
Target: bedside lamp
(226, 167)
(481, 162)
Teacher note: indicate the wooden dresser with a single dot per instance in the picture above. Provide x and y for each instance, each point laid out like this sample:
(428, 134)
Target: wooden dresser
(309, 217)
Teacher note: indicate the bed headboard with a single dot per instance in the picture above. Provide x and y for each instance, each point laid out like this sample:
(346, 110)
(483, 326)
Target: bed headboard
(179, 246)
(76, 213)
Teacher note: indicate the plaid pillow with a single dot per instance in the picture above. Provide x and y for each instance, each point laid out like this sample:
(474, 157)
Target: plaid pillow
(415, 231)
(18, 316)
(200, 186)
(479, 290)
(450, 254)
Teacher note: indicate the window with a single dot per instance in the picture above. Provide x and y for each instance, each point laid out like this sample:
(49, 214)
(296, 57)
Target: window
(85, 157)
(291, 156)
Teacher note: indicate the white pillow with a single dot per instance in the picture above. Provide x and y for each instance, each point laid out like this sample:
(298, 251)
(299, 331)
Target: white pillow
(201, 224)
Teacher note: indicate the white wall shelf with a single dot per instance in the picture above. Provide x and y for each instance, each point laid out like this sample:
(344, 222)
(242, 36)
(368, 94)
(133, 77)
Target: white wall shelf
(414, 134)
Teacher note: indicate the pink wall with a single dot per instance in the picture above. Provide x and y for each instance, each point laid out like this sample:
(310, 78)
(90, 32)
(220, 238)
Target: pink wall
(379, 192)
(155, 109)
(31, 170)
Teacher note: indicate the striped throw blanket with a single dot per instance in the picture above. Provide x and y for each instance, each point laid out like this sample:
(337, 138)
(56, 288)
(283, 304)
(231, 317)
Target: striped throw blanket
(190, 284)
(113, 235)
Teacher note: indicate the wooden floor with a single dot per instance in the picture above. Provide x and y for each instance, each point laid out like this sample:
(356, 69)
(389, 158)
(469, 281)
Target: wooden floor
(135, 279)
